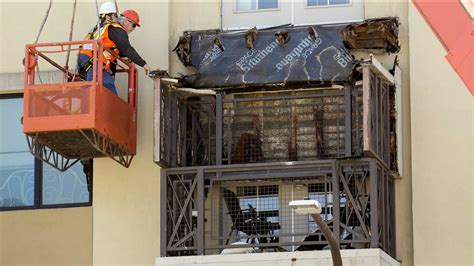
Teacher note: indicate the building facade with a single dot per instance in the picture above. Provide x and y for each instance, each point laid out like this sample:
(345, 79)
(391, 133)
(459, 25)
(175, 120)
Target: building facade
(122, 224)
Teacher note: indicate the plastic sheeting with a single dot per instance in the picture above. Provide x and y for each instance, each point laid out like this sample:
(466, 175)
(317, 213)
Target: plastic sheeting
(279, 56)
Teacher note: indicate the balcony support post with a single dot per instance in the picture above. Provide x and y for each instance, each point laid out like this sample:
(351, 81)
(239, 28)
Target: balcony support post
(336, 202)
(374, 205)
(163, 213)
(200, 209)
(219, 129)
(347, 120)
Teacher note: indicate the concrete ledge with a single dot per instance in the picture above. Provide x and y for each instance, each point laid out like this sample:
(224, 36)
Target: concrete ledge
(15, 81)
(361, 257)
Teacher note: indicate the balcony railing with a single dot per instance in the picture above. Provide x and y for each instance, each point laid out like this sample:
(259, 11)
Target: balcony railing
(278, 125)
(209, 210)
(232, 161)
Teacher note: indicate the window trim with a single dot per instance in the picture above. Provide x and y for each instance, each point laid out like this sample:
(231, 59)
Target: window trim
(306, 6)
(38, 180)
(235, 11)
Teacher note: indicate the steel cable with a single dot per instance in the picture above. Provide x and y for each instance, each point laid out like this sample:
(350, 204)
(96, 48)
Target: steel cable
(39, 34)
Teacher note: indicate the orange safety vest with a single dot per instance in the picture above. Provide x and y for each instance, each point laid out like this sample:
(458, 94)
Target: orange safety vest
(107, 58)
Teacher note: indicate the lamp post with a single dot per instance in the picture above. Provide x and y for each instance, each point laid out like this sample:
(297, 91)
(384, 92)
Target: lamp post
(313, 208)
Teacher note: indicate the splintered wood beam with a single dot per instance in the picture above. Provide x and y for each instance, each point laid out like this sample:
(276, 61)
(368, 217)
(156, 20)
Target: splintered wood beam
(373, 34)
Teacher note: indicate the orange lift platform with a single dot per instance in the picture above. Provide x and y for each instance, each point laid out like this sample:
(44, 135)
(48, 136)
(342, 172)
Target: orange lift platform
(69, 119)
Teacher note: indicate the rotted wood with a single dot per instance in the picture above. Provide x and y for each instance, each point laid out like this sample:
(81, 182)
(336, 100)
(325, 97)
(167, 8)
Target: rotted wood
(380, 34)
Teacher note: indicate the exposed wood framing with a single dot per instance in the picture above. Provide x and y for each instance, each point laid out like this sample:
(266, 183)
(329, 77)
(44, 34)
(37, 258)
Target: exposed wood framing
(374, 34)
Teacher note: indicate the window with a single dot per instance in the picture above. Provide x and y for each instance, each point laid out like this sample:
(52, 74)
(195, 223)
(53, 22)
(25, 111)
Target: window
(250, 5)
(262, 199)
(245, 14)
(27, 183)
(327, 2)
(322, 192)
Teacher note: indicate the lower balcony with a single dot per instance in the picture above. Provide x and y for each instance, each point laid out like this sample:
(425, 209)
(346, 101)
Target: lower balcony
(215, 210)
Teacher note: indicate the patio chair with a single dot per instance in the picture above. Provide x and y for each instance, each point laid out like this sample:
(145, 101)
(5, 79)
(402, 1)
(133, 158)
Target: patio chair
(247, 220)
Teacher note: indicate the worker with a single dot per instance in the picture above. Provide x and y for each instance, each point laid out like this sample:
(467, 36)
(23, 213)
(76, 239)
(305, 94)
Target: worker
(115, 38)
(107, 14)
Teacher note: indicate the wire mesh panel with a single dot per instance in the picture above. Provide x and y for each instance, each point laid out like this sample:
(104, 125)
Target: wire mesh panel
(248, 207)
(254, 213)
(200, 139)
(70, 99)
(259, 214)
(181, 222)
(284, 126)
(279, 126)
(167, 103)
(386, 210)
(185, 129)
(354, 217)
(376, 116)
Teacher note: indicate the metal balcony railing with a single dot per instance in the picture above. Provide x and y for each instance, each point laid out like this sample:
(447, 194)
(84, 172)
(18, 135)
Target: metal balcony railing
(232, 161)
(213, 209)
(277, 126)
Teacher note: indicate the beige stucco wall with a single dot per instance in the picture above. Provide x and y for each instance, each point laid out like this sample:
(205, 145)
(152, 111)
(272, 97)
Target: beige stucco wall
(126, 201)
(46, 237)
(125, 224)
(442, 147)
(403, 186)
(54, 236)
(190, 15)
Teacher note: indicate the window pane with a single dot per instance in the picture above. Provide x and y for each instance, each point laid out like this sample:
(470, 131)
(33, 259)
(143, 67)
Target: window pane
(338, 2)
(248, 203)
(326, 2)
(268, 204)
(267, 190)
(64, 187)
(246, 191)
(16, 163)
(245, 5)
(317, 2)
(266, 4)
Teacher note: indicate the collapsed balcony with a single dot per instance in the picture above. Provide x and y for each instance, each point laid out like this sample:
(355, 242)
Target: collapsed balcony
(277, 126)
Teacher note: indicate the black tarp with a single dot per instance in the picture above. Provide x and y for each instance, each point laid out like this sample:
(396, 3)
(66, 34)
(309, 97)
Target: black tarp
(310, 55)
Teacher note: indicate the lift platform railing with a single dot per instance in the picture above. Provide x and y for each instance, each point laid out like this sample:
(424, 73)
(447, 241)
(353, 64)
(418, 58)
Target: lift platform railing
(69, 119)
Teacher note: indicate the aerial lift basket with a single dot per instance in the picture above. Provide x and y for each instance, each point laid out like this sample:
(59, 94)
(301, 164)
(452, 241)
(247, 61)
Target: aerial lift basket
(73, 120)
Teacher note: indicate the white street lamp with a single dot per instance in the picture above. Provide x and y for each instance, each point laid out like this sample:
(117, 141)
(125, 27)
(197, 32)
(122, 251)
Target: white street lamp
(313, 208)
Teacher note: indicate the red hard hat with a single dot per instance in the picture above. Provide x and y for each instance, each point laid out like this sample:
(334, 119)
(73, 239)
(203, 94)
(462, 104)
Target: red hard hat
(132, 15)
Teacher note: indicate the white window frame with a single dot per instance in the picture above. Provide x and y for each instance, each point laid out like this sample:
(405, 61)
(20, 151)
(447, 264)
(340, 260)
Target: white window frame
(328, 5)
(255, 10)
(296, 12)
(306, 6)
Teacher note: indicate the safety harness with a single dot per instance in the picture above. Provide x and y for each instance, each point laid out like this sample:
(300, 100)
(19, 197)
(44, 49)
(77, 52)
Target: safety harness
(108, 59)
